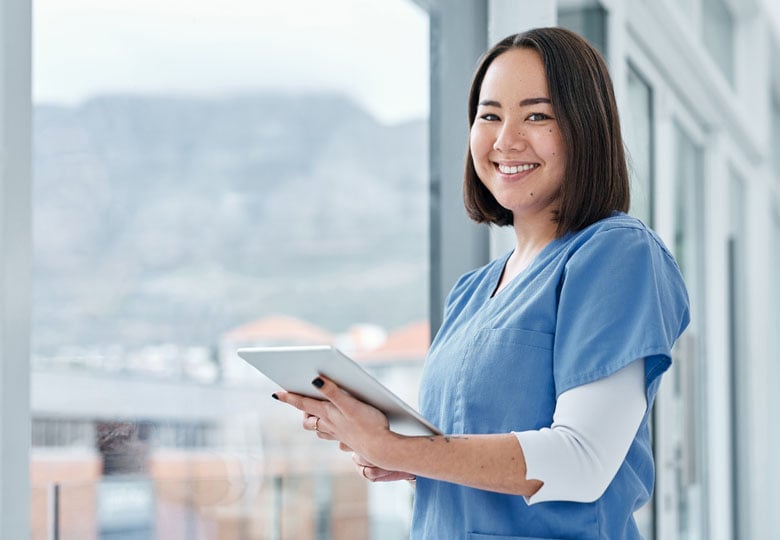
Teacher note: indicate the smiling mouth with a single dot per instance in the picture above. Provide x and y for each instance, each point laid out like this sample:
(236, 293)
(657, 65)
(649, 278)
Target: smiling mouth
(514, 169)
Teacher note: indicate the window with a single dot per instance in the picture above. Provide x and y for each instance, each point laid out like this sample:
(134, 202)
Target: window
(739, 387)
(589, 20)
(638, 130)
(775, 137)
(638, 134)
(774, 366)
(689, 367)
(718, 31)
(209, 176)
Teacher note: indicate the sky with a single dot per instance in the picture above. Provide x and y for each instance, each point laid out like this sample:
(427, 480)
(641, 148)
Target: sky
(374, 50)
(773, 7)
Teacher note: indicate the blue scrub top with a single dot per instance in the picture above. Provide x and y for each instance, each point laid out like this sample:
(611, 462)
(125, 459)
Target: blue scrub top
(591, 302)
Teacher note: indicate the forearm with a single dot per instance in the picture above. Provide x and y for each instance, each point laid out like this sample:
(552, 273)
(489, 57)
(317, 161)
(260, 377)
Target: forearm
(490, 462)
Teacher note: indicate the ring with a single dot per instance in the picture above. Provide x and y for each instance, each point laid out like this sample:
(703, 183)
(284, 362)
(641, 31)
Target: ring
(317, 424)
(363, 472)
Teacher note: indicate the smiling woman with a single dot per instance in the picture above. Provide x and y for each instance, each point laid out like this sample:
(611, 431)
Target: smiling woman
(549, 357)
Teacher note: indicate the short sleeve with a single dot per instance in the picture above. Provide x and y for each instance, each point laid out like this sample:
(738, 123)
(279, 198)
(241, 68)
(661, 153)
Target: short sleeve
(621, 298)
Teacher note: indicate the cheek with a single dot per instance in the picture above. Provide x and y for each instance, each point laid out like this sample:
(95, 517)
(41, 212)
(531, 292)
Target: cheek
(473, 144)
(554, 148)
(479, 143)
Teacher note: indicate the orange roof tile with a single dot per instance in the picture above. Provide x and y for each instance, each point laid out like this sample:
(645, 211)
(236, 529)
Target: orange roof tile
(279, 329)
(408, 343)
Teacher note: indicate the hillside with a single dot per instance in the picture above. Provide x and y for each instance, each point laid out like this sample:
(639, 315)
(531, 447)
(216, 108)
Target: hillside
(162, 219)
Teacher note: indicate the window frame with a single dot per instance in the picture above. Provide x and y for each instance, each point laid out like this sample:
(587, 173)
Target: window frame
(15, 254)
(671, 113)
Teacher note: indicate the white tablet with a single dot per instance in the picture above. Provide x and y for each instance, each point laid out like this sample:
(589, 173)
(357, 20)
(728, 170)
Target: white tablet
(294, 368)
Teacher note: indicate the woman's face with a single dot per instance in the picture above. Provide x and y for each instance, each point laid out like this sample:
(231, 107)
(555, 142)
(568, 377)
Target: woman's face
(515, 139)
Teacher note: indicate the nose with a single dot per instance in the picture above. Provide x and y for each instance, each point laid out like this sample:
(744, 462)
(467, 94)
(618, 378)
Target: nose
(510, 137)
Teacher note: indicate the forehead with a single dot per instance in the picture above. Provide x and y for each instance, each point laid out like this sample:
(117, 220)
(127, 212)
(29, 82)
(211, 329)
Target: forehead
(516, 71)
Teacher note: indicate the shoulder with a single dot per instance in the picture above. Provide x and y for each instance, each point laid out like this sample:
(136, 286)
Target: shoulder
(618, 235)
(621, 297)
(621, 258)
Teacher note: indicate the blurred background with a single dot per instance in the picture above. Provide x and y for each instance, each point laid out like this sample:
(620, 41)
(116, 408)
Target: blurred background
(209, 175)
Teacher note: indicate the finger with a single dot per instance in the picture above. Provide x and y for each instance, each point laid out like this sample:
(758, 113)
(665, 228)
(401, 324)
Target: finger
(393, 476)
(332, 392)
(311, 406)
(316, 424)
(344, 448)
(377, 474)
(311, 422)
(325, 436)
(359, 413)
(368, 473)
(360, 461)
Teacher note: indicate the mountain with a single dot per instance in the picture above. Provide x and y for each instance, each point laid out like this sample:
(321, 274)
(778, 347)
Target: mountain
(172, 219)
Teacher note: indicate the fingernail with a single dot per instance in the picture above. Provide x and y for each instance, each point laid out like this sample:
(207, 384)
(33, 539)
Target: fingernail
(318, 382)
(274, 396)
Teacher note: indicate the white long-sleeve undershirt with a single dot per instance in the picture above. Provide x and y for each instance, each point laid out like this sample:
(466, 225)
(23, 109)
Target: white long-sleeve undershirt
(593, 427)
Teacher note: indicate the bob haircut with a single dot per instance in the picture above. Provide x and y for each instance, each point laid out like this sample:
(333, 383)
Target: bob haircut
(595, 182)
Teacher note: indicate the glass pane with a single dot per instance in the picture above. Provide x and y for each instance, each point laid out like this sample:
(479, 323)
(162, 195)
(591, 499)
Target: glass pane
(718, 30)
(775, 151)
(738, 379)
(638, 130)
(687, 6)
(589, 20)
(689, 388)
(638, 136)
(774, 367)
(210, 175)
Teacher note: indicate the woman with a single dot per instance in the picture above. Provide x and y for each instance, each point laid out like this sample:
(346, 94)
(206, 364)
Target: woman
(549, 357)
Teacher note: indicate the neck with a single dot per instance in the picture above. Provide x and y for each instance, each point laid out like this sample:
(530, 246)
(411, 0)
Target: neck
(529, 242)
(530, 239)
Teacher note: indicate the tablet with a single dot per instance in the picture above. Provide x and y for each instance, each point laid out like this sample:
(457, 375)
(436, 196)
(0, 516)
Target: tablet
(293, 368)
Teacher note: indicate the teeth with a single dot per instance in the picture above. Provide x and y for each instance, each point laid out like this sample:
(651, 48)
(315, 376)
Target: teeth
(516, 169)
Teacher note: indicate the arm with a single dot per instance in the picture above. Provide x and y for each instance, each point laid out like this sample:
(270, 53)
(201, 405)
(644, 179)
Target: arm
(576, 458)
(592, 430)
(493, 462)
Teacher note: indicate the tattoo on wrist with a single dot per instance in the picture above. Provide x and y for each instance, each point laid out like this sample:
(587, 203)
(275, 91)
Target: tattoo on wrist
(448, 438)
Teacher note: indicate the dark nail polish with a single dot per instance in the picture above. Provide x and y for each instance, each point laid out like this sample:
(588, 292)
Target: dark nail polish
(318, 382)
(274, 396)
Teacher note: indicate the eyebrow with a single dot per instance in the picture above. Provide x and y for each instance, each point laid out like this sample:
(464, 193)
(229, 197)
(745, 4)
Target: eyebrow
(524, 103)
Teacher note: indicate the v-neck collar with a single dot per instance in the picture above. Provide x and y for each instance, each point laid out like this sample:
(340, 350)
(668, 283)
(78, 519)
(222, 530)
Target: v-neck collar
(500, 268)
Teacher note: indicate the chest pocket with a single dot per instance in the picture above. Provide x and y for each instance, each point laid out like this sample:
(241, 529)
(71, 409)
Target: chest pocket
(507, 381)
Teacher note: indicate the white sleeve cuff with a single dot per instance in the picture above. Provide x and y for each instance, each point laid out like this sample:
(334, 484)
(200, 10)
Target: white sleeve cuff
(593, 428)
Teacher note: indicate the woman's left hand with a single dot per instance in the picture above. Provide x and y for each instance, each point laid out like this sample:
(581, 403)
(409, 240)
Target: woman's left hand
(372, 473)
(341, 417)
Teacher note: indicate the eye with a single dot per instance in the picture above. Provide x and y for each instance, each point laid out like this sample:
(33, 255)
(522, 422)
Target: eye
(538, 117)
(489, 117)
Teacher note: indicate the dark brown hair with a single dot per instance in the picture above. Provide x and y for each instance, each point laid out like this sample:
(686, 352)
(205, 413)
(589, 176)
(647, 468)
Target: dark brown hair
(595, 182)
